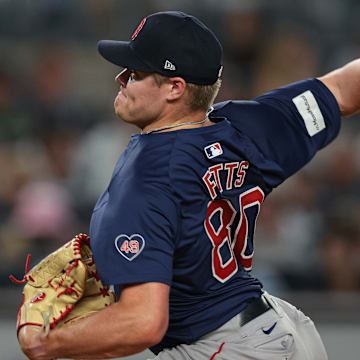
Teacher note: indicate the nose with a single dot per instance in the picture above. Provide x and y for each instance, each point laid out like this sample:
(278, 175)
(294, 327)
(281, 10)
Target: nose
(123, 77)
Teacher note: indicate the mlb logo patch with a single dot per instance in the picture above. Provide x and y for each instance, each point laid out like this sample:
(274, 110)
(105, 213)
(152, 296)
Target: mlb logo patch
(213, 150)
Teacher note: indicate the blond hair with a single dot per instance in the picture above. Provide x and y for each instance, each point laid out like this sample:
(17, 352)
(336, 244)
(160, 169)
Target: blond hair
(201, 97)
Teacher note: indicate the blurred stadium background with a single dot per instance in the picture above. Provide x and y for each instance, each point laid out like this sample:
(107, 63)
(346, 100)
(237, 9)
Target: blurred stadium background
(59, 139)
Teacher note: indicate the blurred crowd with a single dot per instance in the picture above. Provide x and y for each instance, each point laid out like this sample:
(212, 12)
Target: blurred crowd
(59, 137)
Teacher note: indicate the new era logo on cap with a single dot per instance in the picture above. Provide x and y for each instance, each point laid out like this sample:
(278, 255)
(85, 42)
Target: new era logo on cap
(169, 65)
(213, 150)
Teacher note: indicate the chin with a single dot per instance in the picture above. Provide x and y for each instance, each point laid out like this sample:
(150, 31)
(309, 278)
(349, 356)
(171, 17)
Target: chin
(119, 110)
(122, 115)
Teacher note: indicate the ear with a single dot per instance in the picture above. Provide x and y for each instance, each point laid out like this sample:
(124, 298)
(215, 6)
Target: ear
(177, 88)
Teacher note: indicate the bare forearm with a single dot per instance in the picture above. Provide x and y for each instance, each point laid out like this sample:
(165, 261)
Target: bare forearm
(107, 334)
(344, 83)
(138, 321)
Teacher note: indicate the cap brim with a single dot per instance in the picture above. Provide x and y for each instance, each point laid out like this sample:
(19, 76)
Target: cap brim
(120, 53)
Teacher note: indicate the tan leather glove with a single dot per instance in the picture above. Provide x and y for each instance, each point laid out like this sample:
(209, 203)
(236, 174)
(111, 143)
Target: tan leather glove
(63, 288)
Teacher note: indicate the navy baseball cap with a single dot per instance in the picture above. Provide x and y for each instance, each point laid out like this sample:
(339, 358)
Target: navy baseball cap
(169, 43)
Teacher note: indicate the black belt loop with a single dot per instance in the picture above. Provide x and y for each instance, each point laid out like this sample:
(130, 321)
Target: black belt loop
(255, 308)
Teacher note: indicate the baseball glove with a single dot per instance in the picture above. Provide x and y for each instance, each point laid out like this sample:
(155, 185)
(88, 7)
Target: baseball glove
(63, 288)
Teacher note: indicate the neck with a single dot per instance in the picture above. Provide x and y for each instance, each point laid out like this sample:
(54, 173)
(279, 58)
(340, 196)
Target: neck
(190, 121)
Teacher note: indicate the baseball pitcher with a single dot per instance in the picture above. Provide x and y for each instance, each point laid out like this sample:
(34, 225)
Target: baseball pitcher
(173, 233)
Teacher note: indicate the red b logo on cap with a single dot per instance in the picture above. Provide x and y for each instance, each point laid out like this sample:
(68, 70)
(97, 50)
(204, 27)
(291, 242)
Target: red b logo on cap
(135, 34)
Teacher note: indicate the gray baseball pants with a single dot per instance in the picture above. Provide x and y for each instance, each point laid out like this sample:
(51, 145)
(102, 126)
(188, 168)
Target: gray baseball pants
(294, 337)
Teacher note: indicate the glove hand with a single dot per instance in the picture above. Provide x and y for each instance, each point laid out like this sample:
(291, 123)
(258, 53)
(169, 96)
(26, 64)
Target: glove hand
(63, 288)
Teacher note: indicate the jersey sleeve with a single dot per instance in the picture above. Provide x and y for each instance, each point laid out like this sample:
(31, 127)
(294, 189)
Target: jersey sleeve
(287, 125)
(134, 234)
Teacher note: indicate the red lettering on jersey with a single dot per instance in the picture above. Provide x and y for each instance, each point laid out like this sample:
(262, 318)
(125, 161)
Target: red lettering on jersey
(215, 170)
(230, 167)
(252, 197)
(209, 184)
(241, 173)
(213, 173)
(242, 246)
(220, 237)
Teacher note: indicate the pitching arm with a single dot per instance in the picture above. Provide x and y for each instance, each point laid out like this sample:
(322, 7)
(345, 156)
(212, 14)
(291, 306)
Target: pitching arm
(344, 83)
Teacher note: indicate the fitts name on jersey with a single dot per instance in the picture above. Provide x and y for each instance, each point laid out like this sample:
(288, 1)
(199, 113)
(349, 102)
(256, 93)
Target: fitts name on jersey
(235, 173)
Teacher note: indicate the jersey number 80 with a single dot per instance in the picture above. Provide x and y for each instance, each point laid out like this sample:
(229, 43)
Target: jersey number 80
(242, 243)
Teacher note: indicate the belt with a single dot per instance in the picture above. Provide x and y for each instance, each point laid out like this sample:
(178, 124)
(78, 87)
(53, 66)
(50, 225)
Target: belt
(255, 308)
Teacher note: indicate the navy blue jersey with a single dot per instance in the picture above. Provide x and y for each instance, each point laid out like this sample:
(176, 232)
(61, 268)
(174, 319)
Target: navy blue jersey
(181, 206)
